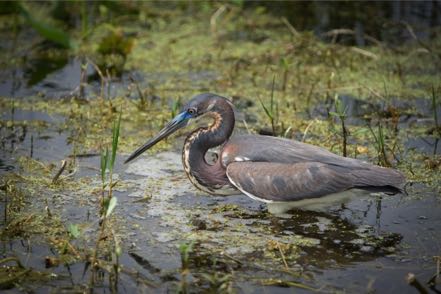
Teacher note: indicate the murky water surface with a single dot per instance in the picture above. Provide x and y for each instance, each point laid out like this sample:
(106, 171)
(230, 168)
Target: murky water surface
(370, 243)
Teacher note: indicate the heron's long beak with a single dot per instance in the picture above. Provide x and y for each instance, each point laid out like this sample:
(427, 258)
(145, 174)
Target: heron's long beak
(175, 124)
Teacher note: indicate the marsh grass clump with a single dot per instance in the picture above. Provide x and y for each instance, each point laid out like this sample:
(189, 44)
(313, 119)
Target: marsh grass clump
(108, 203)
(380, 145)
(23, 221)
(273, 113)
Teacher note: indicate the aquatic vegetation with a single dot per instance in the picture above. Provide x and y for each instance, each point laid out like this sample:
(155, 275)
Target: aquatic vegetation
(107, 205)
(219, 282)
(380, 146)
(50, 32)
(113, 50)
(61, 200)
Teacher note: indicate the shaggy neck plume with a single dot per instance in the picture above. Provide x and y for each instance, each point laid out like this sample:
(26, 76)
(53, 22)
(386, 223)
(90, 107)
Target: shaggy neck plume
(203, 175)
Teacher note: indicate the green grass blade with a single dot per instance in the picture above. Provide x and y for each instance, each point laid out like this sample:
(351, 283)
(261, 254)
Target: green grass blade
(434, 108)
(175, 107)
(112, 204)
(375, 136)
(47, 31)
(380, 136)
(267, 111)
(185, 249)
(115, 137)
(104, 160)
(272, 95)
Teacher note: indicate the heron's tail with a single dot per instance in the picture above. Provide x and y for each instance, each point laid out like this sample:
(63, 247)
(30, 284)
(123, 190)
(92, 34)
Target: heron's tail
(377, 178)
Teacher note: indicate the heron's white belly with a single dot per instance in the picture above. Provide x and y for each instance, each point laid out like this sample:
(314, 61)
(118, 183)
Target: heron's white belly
(317, 204)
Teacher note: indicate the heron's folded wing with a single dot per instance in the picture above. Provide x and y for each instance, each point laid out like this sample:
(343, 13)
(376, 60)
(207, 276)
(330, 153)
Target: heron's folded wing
(269, 182)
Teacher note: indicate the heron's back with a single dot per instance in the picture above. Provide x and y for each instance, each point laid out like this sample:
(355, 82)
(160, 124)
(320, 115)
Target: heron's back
(258, 148)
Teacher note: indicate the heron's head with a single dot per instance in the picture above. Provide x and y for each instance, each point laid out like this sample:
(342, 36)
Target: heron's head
(198, 106)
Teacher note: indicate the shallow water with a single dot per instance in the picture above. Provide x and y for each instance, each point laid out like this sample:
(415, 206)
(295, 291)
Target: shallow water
(371, 243)
(371, 240)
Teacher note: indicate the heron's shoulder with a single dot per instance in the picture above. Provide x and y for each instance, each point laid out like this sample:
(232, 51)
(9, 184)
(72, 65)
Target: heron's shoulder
(275, 149)
(262, 142)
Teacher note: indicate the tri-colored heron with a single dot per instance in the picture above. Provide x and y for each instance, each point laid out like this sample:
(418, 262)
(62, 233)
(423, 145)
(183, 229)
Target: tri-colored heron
(265, 168)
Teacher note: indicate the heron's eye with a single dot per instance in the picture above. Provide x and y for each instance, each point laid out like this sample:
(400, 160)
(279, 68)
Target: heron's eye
(191, 111)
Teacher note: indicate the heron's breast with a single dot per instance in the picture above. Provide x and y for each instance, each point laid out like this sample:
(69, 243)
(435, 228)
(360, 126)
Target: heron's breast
(231, 153)
(207, 178)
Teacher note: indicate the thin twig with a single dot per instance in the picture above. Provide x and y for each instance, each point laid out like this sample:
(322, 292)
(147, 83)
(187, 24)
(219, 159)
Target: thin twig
(214, 17)
(138, 89)
(283, 255)
(414, 36)
(246, 126)
(365, 53)
(334, 33)
(102, 77)
(306, 130)
(60, 171)
(373, 92)
(290, 27)
(279, 282)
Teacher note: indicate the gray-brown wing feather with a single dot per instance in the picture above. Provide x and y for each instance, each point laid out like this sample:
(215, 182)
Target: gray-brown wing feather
(273, 149)
(288, 182)
(278, 150)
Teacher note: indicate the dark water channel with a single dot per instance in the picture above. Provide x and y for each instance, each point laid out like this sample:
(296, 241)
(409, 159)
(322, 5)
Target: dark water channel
(368, 245)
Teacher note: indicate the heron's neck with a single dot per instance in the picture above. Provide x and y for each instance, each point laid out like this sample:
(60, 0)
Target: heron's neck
(205, 176)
